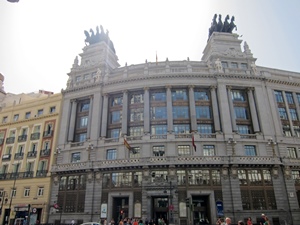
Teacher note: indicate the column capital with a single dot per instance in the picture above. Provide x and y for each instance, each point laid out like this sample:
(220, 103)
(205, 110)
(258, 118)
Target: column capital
(125, 91)
(105, 95)
(74, 100)
(191, 86)
(229, 87)
(168, 86)
(249, 89)
(213, 87)
(146, 88)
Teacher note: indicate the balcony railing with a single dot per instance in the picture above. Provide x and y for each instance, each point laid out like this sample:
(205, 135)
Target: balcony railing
(6, 157)
(27, 174)
(10, 140)
(3, 176)
(22, 138)
(35, 136)
(19, 155)
(1, 141)
(48, 133)
(41, 173)
(45, 152)
(31, 154)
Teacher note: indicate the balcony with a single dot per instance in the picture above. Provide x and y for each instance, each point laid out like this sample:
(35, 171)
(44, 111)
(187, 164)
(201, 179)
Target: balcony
(10, 140)
(3, 176)
(13, 175)
(41, 173)
(45, 152)
(6, 157)
(1, 141)
(19, 155)
(31, 154)
(27, 174)
(48, 133)
(22, 138)
(35, 136)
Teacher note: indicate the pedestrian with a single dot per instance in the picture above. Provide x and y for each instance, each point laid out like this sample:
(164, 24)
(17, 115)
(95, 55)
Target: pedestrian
(241, 222)
(219, 222)
(249, 221)
(227, 221)
(267, 222)
(262, 220)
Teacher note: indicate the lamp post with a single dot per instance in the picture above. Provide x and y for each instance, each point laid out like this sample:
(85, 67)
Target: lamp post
(12, 193)
(4, 200)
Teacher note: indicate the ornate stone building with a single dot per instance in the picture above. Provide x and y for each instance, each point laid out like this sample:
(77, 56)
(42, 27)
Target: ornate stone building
(179, 140)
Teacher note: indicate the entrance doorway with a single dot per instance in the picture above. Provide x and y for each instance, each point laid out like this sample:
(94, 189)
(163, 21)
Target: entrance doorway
(120, 208)
(201, 210)
(160, 211)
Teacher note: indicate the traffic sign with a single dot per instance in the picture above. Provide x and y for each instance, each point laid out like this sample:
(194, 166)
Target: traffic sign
(56, 206)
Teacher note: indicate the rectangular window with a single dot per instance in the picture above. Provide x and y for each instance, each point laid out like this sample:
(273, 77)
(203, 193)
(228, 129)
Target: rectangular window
(27, 115)
(158, 129)
(278, 96)
(86, 76)
(234, 65)
(26, 192)
(80, 137)
(184, 150)
(224, 64)
(40, 191)
(287, 130)
(179, 95)
(298, 98)
(117, 100)
(282, 113)
(136, 131)
(203, 112)
(181, 129)
(84, 106)
(238, 95)
(250, 150)
(180, 112)
(4, 120)
(136, 114)
(158, 96)
(244, 129)
(201, 95)
(289, 97)
(293, 114)
(205, 128)
(244, 66)
(16, 117)
(135, 152)
(291, 152)
(40, 112)
(158, 112)
(78, 78)
(75, 157)
(116, 117)
(52, 109)
(241, 113)
(208, 150)
(158, 150)
(83, 121)
(111, 154)
(137, 98)
(115, 133)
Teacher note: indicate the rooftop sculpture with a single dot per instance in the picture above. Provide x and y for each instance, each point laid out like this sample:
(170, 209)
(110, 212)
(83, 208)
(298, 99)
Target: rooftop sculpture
(92, 38)
(220, 26)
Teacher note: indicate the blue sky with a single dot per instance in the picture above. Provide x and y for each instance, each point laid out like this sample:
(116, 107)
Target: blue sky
(40, 38)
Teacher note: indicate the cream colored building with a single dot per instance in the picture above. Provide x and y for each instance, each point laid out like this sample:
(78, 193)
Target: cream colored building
(28, 129)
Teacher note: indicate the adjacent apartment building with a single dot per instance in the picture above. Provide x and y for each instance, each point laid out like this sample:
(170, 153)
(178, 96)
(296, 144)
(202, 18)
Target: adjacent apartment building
(185, 141)
(28, 131)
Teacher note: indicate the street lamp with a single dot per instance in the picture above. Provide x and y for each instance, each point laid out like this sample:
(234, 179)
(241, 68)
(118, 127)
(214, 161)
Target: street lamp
(12, 193)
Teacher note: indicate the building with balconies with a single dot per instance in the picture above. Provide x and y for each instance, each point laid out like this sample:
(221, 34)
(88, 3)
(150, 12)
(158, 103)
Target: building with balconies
(27, 150)
(186, 141)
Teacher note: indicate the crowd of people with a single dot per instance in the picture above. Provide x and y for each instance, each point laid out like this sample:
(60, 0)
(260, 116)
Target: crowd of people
(263, 221)
(136, 221)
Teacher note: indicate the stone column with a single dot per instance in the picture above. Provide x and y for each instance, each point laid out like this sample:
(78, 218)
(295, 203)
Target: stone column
(125, 112)
(104, 117)
(169, 109)
(146, 111)
(96, 116)
(192, 109)
(72, 120)
(231, 108)
(215, 108)
(253, 111)
(88, 135)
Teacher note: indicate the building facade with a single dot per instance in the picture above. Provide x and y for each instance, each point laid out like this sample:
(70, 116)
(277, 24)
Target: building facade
(186, 141)
(28, 127)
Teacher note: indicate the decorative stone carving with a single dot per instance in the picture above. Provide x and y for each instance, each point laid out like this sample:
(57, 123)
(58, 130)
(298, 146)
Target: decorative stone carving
(218, 65)
(225, 172)
(287, 172)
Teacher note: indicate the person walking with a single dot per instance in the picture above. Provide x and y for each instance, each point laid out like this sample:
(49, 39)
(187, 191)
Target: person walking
(227, 221)
(249, 221)
(262, 220)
